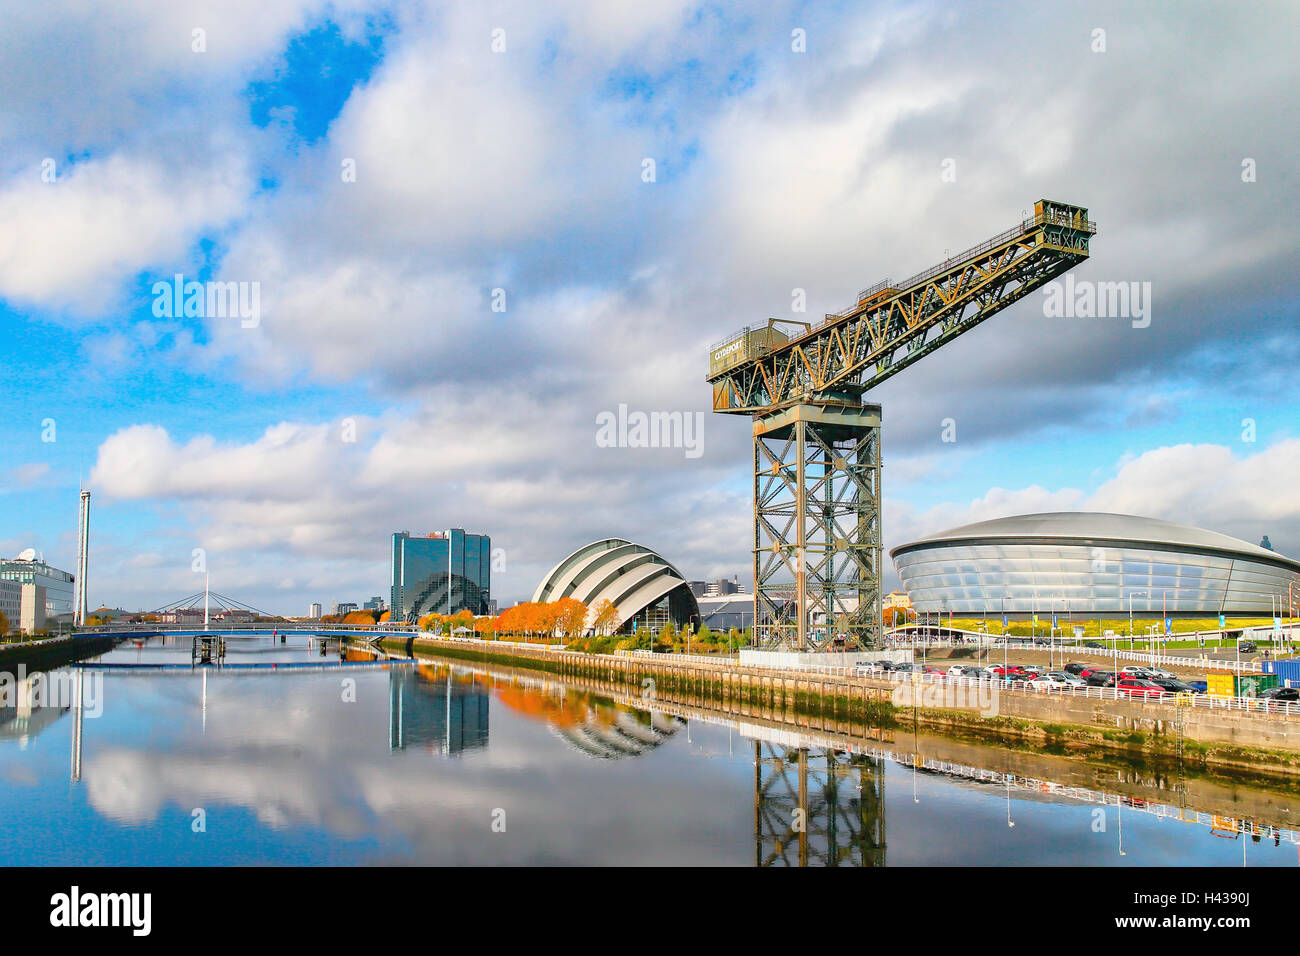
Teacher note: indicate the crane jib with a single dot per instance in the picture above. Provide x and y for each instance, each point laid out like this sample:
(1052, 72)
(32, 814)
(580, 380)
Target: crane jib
(894, 324)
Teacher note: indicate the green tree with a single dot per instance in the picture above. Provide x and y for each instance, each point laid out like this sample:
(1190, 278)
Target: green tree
(668, 634)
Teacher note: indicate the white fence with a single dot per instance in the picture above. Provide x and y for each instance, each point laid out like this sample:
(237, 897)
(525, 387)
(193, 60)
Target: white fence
(1155, 658)
(1254, 705)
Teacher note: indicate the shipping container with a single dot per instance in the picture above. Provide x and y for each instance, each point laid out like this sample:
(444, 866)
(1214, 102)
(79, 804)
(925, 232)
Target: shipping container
(1220, 685)
(1246, 685)
(1287, 671)
(1252, 685)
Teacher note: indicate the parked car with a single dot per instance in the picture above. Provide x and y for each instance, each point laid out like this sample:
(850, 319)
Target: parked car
(1199, 686)
(1247, 647)
(1134, 670)
(1035, 669)
(1173, 685)
(1077, 669)
(1093, 644)
(1010, 671)
(1289, 694)
(1139, 687)
(1055, 680)
(1096, 677)
(1072, 680)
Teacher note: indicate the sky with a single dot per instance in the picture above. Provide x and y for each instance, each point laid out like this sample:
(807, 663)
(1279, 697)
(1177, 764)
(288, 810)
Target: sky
(465, 232)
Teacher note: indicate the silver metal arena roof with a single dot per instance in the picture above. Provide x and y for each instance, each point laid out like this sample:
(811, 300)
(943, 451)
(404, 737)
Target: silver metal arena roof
(1095, 527)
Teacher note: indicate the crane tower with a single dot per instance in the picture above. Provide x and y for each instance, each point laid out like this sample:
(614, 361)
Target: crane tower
(816, 462)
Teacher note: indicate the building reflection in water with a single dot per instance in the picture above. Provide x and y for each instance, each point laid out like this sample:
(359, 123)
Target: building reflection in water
(31, 702)
(435, 709)
(817, 807)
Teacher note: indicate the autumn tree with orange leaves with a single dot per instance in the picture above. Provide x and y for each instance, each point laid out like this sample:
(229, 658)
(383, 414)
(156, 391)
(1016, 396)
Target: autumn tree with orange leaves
(570, 617)
(607, 619)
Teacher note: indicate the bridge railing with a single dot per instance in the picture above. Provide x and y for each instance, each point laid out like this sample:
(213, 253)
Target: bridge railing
(160, 627)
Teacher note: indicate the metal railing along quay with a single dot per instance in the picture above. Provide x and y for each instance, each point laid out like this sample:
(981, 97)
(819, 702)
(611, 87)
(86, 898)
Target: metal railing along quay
(1254, 705)
(1248, 705)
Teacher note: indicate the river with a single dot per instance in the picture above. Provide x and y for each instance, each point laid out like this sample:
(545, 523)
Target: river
(285, 755)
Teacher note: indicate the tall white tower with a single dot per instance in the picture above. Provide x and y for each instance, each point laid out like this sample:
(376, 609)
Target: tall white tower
(83, 558)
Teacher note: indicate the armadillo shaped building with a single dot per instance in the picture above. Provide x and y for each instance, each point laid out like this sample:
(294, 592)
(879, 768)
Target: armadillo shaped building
(647, 590)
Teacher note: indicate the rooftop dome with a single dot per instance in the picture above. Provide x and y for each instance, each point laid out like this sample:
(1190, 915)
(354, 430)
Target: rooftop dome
(1093, 526)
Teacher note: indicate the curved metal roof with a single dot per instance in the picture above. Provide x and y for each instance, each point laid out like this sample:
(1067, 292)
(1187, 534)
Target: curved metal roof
(1095, 526)
(631, 575)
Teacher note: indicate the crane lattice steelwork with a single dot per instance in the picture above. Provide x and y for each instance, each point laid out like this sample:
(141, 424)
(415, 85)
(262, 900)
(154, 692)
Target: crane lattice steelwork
(817, 538)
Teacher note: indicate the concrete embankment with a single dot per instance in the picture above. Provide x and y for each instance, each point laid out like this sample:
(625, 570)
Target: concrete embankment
(1162, 784)
(52, 652)
(1235, 742)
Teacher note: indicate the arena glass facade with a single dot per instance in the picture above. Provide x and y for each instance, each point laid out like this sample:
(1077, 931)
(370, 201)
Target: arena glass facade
(1080, 562)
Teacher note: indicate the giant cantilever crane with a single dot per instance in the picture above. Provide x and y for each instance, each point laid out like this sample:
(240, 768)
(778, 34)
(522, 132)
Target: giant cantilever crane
(817, 540)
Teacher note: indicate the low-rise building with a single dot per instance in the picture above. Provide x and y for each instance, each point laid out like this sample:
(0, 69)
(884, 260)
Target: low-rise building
(30, 567)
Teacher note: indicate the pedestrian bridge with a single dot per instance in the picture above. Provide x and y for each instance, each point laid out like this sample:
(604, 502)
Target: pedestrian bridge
(128, 631)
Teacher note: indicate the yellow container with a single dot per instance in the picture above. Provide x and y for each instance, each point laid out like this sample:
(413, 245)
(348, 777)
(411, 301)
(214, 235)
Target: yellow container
(1220, 685)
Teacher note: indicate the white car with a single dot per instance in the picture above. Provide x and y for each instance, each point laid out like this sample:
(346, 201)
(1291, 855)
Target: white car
(957, 670)
(1134, 670)
(1060, 679)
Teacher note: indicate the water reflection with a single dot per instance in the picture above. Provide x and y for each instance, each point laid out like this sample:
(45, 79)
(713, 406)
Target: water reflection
(358, 759)
(817, 807)
(29, 703)
(445, 714)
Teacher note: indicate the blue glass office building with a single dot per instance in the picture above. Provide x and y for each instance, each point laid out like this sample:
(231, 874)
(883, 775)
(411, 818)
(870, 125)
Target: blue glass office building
(440, 573)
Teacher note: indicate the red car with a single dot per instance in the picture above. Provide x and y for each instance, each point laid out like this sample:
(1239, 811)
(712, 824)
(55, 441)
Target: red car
(1139, 687)
(1013, 673)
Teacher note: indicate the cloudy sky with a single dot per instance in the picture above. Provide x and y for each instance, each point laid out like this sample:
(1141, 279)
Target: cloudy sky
(377, 170)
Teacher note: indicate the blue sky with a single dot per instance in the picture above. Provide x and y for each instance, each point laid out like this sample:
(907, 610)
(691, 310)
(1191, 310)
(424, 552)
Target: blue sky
(522, 169)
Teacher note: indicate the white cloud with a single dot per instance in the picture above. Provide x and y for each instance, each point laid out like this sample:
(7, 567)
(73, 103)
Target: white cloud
(30, 473)
(73, 242)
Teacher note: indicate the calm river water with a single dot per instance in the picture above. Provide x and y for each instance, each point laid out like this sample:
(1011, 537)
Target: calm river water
(323, 761)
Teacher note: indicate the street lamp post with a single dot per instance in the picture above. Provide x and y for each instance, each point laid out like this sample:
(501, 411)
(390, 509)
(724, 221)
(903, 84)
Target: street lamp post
(1130, 625)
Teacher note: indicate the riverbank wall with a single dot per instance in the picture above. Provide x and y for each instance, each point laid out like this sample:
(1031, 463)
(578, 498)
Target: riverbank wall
(1250, 743)
(52, 652)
